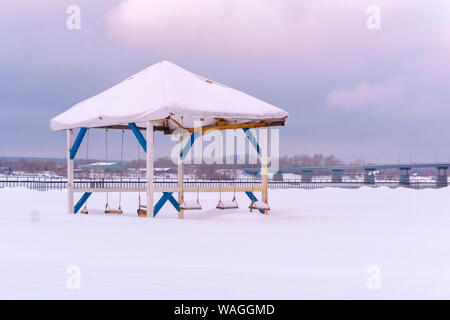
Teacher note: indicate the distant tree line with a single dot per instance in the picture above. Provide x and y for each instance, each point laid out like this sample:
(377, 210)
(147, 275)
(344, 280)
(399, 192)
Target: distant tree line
(304, 160)
(32, 166)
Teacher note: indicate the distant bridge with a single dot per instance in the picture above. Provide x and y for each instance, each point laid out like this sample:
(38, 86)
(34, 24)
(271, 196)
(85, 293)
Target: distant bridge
(369, 172)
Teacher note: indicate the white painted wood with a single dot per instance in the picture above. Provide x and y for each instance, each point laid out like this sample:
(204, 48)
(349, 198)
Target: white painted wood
(70, 186)
(264, 165)
(170, 189)
(180, 179)
(150, 152)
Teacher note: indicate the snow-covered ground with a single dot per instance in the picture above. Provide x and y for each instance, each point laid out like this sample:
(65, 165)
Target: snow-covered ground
(324, 243)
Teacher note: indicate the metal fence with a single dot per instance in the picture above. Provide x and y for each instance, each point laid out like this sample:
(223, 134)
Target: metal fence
(44, 184)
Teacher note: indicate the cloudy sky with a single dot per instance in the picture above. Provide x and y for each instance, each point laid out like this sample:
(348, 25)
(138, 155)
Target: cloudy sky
(359, 93)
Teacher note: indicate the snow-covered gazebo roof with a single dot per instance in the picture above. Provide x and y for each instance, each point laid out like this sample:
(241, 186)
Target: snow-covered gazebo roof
(168, 95)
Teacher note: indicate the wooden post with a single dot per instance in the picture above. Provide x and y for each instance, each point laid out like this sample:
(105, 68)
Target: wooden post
(150, 187)
(180, 177)
(264, 170)
(70, 185)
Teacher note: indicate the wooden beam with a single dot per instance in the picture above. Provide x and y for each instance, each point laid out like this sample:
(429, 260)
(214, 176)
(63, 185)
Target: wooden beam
(233, 126)
(171, 189)
(264, 166)
(221, 124)
(165, 128)
(176, 122)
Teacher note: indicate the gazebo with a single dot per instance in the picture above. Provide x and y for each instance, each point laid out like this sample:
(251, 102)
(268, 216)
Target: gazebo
(165, 97)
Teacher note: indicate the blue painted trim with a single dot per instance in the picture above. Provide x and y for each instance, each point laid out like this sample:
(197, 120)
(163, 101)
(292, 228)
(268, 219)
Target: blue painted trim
(161, 202)
(189, 145)
(252, 139)
(174, 202)
(80, 202)
(253, 198)
(138, 135)
(77, 143)
(166, 196)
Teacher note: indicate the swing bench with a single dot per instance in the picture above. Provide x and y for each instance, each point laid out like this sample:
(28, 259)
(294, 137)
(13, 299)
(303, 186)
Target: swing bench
(190, 205)
(258, 205)
(227, 204)
(108, 210)
(114, 211)
(142, 210)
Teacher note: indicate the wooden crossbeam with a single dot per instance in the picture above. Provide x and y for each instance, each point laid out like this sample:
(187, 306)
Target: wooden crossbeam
(171, 189)
(221, 124)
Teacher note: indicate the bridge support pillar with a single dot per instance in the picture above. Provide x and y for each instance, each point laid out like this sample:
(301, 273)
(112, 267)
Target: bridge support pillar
(369, 176)
(404, 176)
(441, 179)
(278, 176)
(307, 176)
(336, 176)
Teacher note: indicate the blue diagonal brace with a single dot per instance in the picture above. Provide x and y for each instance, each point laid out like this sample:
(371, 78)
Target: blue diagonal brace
(189, 145)
(253, 198)
(252, 139)
(138, 135)
(161, 202)
(80, 202)
(166, 196)
(77, 143)
(174, 202)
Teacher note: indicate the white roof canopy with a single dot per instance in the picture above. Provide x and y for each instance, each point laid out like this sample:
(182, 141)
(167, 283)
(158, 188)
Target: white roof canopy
(166, 91)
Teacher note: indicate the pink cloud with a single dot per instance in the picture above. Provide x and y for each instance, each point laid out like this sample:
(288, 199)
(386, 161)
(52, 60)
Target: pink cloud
(326, 38)
(263, 27)
(364, 95)
(324, 35)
